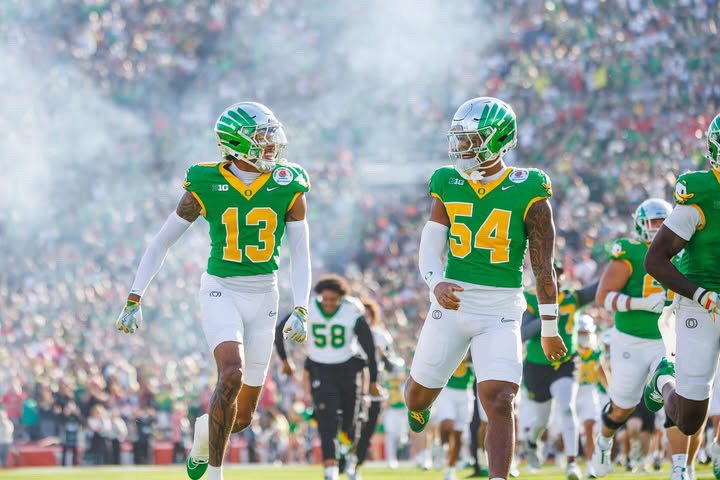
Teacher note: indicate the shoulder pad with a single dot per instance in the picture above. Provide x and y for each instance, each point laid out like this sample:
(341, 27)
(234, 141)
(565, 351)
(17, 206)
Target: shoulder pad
(198, 173)
(536, 180)
(292, 175)
(442, 177)
(620, 248)
(691, 186)
(355, 303)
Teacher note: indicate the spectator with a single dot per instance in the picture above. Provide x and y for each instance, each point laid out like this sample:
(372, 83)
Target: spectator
(70, 433)
(6, 437)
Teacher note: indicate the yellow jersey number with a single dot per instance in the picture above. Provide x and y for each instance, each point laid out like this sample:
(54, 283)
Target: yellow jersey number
(264, 217)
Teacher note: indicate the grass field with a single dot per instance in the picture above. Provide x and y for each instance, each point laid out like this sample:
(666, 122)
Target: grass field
(284, 473)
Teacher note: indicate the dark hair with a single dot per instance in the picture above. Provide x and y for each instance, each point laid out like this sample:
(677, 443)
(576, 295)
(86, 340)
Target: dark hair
(332, 282)
(372, 310)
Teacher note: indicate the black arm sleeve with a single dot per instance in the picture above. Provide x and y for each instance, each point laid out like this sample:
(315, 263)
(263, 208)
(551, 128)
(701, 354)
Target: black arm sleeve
(586, 294)
(279, 344)
(365, 338)
(530, 326)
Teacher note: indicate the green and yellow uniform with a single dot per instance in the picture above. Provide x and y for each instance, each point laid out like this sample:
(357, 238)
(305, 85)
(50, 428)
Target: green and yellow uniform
(462, 378)
(638, 323)
(589, 361)
(701, 190)
(567, 307)
(246, 221)
(487, 234)
(395, 394)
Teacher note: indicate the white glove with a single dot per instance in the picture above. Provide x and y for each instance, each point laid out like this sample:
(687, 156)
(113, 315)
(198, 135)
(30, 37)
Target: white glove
(295, 327)
(130, 318)
(651, 303)
(709, 301)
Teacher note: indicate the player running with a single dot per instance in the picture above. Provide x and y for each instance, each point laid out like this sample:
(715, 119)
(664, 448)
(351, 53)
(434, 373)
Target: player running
(248, 200)
(547, 380)
(694, 225)
(637, 345)
(488, 213)
(336, 326)
(591, 375)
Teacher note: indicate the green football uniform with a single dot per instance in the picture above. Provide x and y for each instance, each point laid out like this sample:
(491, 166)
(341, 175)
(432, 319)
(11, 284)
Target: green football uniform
(246, 221)
(462, 378)
(395, 395)
(701, 190)
(638, 323)
(589, 360)
(487, 234)
(567, 306)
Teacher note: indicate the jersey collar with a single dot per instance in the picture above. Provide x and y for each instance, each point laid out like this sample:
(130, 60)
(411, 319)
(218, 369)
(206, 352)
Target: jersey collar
(246, 191)
(482, 190)
(716, 173)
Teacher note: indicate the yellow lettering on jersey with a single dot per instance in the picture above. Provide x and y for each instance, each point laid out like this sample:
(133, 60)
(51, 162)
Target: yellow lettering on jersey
(482, 190)
(461, 370)
(266, 235)
(461, 236)
(651, 286)
(568, 310)
(247, 191)
(231, 252)
(493, 235)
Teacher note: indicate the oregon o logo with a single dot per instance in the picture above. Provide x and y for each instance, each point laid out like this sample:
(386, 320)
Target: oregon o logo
(626, 355)
(481, 191)
(248, 192)
(691, 323)
(436, 314)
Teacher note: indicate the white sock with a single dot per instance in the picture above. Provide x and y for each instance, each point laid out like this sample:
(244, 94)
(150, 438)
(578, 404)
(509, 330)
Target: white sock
(201, 439)
(214, 473)
(679, 460)
(604, 442)
(497, 478)
(482, 458)
(662, 380)
(714, 450)
(332, 472)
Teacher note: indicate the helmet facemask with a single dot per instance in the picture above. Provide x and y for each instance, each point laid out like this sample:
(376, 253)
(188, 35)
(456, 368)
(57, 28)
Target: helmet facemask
(262, 146)
(469, 151)
(713, 146)
(648, 218)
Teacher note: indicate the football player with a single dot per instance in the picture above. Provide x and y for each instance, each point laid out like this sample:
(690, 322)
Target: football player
(591, 374)
(336, 326)
(637, 300)
(546, 380)
(694, 225)
(249, 200)
(487, 212)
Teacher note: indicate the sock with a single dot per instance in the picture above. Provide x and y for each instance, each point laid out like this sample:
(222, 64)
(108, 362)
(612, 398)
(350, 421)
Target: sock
(679, 461)
(331, 472)
(214, 473)
(482, 458)
(714, 450)
(604, 442)
(662, 380)
(497, 478)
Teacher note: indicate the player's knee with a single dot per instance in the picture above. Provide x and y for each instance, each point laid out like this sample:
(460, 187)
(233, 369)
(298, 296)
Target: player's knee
(231, 377)
(501, 403)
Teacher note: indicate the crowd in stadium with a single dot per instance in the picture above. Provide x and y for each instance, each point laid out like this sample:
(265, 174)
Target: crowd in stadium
(612, 99)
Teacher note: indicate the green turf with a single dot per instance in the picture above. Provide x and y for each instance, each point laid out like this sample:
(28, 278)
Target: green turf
(284, 473)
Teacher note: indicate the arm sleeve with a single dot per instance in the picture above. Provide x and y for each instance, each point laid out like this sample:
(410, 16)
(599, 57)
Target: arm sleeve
(279, 343)
(530, 326)
(154, 255)
(684, 220)
(298, 234)
(432, 245)
(365, 339)
(586, 295)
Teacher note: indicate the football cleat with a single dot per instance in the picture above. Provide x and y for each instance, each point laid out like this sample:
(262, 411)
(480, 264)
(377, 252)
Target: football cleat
(652, 395)
(533, 457)
(197, 461)
(601, 461)
(418, 420)
(572, 472)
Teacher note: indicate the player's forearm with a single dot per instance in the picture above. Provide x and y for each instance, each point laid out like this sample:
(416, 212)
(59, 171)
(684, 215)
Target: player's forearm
(587, 294)
(279, 344)
(298, 234)
(432, 244)
(530, 326)
(173, 228)
(541, 245)
(661, 269)
(366, 341)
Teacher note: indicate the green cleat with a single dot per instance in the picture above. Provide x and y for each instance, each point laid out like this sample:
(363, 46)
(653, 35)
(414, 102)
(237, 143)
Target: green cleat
(195, 469)
(418, 420)
(652, 395)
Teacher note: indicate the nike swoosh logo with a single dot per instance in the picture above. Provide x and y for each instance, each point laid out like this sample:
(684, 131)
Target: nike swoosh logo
(270, 189)
(505, 188)
(506, 320)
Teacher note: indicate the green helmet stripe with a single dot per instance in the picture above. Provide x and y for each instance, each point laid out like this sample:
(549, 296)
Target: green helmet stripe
(226, 119)
(246, 120)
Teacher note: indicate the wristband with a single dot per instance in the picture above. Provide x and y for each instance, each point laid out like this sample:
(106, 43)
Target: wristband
(548, 328)
(548, 309)
(620, 304)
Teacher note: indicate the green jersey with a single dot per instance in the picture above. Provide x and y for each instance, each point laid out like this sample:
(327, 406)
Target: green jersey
(246, 221)
(638, 323)
(395, 395)
(567, 306)
(589, 361)
(462, 378)
(487, 223)
(701, 190)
